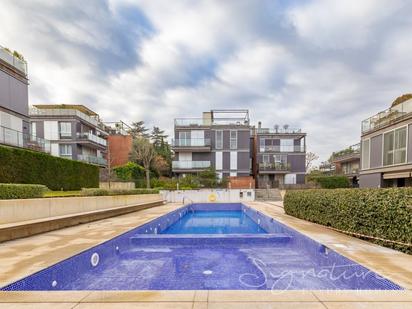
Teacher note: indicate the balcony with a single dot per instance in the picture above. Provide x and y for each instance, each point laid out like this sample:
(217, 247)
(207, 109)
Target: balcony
(190, 165)
(19, 139)
(91, 137)
(92, 159)
(387, 117)
(279, 131)
(12, 60)
(191, 144)
(271, 148)
(198, 122)
(274, 167)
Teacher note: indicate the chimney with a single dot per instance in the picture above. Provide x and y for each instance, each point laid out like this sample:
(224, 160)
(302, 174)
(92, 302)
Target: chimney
(259, 125)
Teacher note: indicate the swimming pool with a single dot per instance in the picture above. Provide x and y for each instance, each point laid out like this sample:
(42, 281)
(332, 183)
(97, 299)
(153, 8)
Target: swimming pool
(207, 246)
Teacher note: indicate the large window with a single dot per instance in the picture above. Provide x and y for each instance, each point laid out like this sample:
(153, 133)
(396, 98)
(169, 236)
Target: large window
(65, 129)
(286, 145)
(280, 159)
(219, 139)
(184, 138)
(394, 147)
(233, 139)
(65, 150)
(365, 154)
(262, 142)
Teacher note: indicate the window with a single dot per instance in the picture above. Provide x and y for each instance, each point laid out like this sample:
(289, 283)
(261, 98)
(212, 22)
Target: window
(33, 131)
(394, 147)
(280, 159)
(219, 139)
(266, 159)
(286, 145)
(365, 153)
(184, 139)
(262, 142)
(233, 139)
(65, 129)
(65, 150)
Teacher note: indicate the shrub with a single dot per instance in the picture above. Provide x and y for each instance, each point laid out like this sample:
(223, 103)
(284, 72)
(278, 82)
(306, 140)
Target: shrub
(18, 191)
(31, 167)
(383, 213)
(129, 171)
(104, 192)
(331, 182)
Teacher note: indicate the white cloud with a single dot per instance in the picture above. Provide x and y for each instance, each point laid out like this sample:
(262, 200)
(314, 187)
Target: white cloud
(319, 65)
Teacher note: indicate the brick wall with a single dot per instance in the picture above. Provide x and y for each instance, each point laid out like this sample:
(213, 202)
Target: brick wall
(241, 182)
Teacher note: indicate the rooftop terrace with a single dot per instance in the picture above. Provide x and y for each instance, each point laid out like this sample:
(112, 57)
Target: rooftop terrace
(387, 117)
(8, 57)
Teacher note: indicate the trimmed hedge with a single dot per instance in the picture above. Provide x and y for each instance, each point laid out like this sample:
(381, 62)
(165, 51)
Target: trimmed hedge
(383, 213)
(18, 191)
(31, 167)
(332, 182)
(103, 192)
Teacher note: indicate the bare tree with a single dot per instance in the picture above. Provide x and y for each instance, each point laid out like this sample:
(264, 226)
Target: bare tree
(310, 157)
(143, 153)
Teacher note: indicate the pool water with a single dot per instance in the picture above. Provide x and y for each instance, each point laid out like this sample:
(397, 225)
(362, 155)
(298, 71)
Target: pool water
(207, 247)
(215, 222)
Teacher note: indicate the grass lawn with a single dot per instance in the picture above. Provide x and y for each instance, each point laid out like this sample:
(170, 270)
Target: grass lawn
(62, 193)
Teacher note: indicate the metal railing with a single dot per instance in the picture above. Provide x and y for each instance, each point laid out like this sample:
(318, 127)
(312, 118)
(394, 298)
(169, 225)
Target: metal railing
(65, 112)
(92, 137)
(16, 138)
(271, 148)
(387, 116)
(190, 164)
(92, 159)
(274, 166)
(191, 142)
(278, 130)
(185, 122)
(8, 57)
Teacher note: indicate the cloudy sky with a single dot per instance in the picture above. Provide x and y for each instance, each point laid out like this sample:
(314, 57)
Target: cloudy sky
(319, 65)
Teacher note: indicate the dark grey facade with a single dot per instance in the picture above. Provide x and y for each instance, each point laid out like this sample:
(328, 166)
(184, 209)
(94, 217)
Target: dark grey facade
(74, 132)
(386, 148)
(215, 140)
(14, 117)
(280, 157)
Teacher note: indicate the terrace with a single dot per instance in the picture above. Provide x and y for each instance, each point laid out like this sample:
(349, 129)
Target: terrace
(24, 140)
(387, 117)
(12, 60)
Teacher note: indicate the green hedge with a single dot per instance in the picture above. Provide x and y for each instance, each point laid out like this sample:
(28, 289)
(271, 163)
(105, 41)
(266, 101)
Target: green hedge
(102, 192)
(31, 167)
(17, 191)
(383, 213)
(332, 182)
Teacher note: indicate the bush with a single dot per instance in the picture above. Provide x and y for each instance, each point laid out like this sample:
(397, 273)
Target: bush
(129, 171)
(104, 192)
(18, 191)
(383, 213)
(31, 167)
(331, 182)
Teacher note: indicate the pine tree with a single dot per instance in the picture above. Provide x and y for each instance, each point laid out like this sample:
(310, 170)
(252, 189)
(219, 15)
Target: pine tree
(139, 130)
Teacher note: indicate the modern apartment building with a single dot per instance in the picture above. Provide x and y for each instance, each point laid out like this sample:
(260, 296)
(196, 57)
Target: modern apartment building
(386, 147)
(74, 131)
(220, 139)
(14, 105)
(347, 163)
(280, 156)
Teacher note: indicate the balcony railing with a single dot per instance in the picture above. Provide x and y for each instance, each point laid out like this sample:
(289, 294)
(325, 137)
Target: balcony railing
(19, 139)
(191, 142)
(190, 164)
(274, 167)
(387, 116)
(185, 122)
(278, 130)
(271, 148)
(8, 57)
(65, 112)
(91, 137)
(92, 159)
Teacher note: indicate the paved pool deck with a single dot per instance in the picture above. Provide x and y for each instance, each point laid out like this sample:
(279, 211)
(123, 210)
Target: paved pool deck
(22, 257)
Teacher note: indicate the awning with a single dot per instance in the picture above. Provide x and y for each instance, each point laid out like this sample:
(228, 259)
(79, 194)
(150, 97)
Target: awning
(397, 175)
